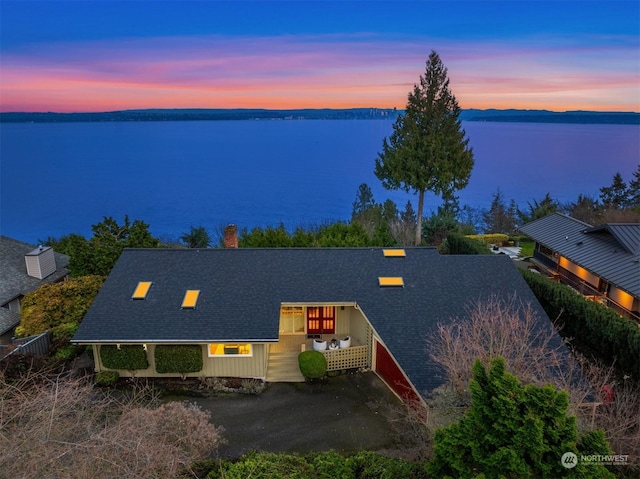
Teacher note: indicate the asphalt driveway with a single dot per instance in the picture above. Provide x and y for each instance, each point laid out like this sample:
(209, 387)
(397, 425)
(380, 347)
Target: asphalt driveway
(343, 413)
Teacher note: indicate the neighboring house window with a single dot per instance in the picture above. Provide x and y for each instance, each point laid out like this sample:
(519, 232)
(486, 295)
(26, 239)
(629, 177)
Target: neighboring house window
(321, 320)
(230, 349)
(291, 319)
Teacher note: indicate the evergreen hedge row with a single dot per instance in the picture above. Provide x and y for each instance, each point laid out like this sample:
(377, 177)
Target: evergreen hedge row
(178, 359)
(460, 244)
(598, 327)
(127, 357)
(320, 465)
(493, 238)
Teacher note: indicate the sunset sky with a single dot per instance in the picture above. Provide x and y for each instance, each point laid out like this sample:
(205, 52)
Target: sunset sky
(80, 56)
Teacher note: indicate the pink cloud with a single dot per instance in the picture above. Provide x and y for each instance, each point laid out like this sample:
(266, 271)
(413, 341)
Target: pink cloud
(314, 72)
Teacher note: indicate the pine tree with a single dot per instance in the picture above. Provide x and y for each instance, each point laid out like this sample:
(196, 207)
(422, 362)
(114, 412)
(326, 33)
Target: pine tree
(427, 150)
(514, 431)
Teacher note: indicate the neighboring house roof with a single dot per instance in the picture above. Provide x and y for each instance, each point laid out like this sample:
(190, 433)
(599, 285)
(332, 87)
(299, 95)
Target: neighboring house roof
(8, 320)
(14, 280)
(241, 291)
(611, 251)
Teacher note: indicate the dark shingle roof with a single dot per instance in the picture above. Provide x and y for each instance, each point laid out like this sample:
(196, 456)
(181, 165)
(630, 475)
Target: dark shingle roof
(611, 251)
(14, 280)
(241, 291)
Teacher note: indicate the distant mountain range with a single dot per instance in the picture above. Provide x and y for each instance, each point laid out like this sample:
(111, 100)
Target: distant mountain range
(529, 116)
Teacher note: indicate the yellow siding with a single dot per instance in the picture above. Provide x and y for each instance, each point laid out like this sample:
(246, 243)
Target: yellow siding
(236, 367)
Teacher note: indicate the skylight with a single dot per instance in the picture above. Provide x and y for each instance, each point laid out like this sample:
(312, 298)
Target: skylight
(394, 253)
(141, 290)
(390, 281)
(190, 299)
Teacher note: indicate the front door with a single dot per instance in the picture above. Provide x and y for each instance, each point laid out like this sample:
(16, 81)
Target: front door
(321, 320)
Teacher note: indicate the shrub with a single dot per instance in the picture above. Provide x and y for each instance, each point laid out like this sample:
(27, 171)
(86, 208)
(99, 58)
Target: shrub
(320, 465)
(460, 244)
(513, 430)
(494, 238)
(178, 359)
(613, 337)
(125, 357)
(107, 378)
(313, 364)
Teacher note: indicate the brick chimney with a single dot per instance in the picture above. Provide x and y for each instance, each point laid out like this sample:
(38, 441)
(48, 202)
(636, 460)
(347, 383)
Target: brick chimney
(231, 236)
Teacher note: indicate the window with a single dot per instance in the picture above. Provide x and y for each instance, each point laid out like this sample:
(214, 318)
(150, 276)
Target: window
(291, 319)
(230, 349)
(391, 281)
(190, 299)
(321, 320)
(141, 290)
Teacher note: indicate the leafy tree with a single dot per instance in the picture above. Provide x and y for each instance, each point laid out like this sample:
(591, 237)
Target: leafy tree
(78, 249)
(499, 218)
(616, 195)
(342, 234)
(540, 209)
(197, 238)
(427, 149)
(584, 209)
(514, 431)
(59, 308)
(436, 228)
(98, 255)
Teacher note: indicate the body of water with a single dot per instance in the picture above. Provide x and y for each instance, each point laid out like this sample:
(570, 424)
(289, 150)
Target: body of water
(60, 178)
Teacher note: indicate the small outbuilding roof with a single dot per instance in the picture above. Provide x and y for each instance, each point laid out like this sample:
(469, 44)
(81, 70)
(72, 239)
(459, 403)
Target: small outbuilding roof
(241, 292)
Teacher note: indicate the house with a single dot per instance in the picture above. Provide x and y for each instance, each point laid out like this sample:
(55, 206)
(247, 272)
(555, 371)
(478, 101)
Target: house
(252, 311)
(24, 268)
(600, 262)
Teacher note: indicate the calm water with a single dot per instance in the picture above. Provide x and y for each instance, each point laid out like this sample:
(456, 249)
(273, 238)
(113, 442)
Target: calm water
(57, 179)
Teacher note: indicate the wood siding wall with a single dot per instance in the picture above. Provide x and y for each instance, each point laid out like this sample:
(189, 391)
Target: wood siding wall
(221, 366)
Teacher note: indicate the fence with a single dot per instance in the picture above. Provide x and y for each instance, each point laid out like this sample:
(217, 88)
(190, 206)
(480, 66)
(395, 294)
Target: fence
(349, 358)
(37, 345)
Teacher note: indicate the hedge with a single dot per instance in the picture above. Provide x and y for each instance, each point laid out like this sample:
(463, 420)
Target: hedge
(126, 357)
(494, 238)
(320, 465)
(460, 244)
(612, 336)
(178, 359)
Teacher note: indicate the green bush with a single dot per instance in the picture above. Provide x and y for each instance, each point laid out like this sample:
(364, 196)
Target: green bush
(612, 336)
(107, 378)
(126, 357)
(322, 465)
(493, 238)
(460, 244)
(513, 430)
(178, 359)
(313, 364)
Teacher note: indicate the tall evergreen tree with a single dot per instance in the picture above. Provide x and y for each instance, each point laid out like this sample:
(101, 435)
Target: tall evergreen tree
(616, 195)
(427, 150)
(633, 197)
